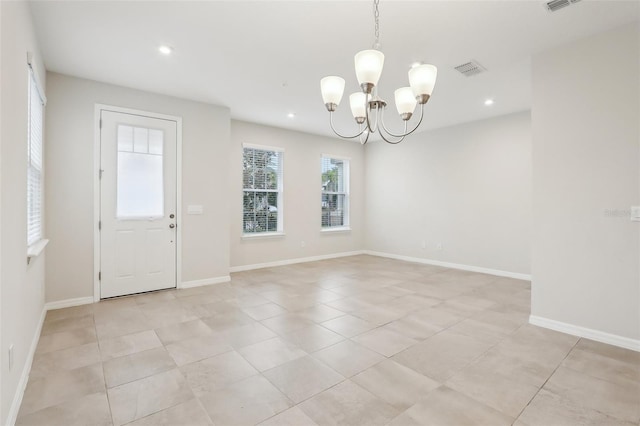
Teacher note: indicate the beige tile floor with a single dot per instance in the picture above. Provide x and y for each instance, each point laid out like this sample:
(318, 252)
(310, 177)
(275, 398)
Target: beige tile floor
(353, 341)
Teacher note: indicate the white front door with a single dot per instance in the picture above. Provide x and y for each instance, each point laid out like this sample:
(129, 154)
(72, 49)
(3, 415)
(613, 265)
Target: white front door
(137, 203)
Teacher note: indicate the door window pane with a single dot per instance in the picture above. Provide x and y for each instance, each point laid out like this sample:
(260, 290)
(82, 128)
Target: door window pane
(125, 138)
(155, 141)
(140, 180)
(140, 140)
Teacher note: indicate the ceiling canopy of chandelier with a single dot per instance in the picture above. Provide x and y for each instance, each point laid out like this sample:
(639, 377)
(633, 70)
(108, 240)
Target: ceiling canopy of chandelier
(367, 108)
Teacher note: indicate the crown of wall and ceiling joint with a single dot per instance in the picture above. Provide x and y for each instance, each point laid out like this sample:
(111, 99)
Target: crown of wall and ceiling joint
(555, 5)
(470, 68)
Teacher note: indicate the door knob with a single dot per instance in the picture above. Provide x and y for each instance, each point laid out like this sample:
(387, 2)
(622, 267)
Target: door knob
(172, 226)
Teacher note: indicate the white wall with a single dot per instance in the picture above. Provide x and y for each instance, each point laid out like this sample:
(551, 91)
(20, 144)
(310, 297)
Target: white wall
(22, 285)
(70, 191)
(467, 187)
(586, 160)
(2, 347)
(302, 192)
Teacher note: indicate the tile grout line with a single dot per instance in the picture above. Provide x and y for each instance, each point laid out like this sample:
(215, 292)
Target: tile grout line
(104, 377)
(548, 378)
(466, 365)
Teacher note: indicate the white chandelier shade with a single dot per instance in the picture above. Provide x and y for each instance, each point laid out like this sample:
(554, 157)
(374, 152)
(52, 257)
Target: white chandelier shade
(332, 89)
(405, 100)
(369, 65)
(422, 79)
(358, 103)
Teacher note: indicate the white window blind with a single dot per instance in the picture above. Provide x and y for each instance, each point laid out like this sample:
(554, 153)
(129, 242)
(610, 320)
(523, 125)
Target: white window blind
(335, 192)
(34, 167)
(262, 190)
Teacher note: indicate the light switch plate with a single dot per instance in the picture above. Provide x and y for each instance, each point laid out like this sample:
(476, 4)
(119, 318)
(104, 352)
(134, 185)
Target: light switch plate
(635, 213)
(195, 209)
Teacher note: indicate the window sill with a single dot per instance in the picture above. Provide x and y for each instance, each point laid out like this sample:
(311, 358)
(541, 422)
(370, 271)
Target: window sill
(263, 235)
(35, 249)
(336, 229)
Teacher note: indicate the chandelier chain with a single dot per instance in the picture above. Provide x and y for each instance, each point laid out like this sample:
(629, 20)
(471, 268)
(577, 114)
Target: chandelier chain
(376, 18)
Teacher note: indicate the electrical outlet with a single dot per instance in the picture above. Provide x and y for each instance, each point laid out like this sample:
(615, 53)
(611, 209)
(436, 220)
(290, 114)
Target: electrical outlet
(424, 244)
(10, 357)
(303, 244)
(439, 246)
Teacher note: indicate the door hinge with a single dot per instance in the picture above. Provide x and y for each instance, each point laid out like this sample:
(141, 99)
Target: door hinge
(99, 225)
(99, 276)
(101, 123)
(100, 173)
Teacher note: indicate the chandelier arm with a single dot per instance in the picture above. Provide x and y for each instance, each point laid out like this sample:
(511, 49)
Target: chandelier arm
(336, 132)
(405, 125)
(366, 113)
(384, 127)
(364, 141)
(418, 124)
(374, 128)
(366, 138)
(392, 142)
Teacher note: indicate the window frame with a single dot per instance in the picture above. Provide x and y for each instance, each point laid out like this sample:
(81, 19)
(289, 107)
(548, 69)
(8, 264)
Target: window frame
(37, 244)
(346, 223)
(280, 193)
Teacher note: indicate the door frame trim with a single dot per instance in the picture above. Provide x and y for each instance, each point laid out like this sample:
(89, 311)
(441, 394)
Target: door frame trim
(97, 195)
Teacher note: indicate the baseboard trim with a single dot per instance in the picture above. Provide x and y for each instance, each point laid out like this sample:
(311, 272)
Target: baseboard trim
(68, 303)
(294, 261)
(587, 333)
(206, 281)
(24, 378)
(471, 268)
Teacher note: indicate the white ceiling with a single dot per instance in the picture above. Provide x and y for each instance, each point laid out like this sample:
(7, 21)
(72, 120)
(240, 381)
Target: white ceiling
(265, 59)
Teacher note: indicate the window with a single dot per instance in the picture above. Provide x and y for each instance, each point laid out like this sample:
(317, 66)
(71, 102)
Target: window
(34, 166)
(335, 192)
(140, 189)
(262, 190)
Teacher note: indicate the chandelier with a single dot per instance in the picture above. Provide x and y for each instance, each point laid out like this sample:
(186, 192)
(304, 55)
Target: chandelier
(367, 108)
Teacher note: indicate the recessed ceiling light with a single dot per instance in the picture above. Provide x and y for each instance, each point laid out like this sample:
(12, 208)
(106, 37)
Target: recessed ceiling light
(291, 115)
(165, 50)
(488, 102)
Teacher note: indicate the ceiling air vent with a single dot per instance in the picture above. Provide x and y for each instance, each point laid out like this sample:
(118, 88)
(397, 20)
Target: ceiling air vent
(555, 5)
(470, 68)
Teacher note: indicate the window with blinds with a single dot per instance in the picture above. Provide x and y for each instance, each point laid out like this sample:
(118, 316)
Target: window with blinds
(34, 166)
(335, 192)
(262, 190)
